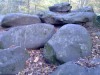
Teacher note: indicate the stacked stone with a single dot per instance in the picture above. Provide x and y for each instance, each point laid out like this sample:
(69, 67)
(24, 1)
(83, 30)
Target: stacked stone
(62, 7)
(61, 14)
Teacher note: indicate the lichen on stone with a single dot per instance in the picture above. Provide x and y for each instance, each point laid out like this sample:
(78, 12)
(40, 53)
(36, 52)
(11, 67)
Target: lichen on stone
(49, 54)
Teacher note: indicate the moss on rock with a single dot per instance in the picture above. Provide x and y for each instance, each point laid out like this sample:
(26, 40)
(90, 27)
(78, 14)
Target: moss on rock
(49, 54)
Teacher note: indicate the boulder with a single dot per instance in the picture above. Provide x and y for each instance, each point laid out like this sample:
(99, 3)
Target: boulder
(1, 17)
(68, 18)
(18, 19)
(84, 9)
(71, 68)
(12, 60)
(69, 43)
(30, 36)
(61, 7)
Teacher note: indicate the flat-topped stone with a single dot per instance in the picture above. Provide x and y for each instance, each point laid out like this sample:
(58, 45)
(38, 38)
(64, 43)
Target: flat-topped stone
(18, 19)
(61, 7)
(30, 36)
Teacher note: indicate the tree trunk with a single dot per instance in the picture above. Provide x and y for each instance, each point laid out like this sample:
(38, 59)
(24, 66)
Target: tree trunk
(28, 6)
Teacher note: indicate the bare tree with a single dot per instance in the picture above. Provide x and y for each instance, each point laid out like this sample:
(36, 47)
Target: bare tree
(82, 3)
(69, 1)
(28, 6)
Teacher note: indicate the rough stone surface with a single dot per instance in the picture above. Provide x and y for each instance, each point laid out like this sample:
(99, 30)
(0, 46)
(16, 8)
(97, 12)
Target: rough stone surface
(18, 19)
(30, 36)
(85, 9)
(71, 68)
(12, 60)
(69, 43)
(67, 18)
(1, 17)
(62, 7)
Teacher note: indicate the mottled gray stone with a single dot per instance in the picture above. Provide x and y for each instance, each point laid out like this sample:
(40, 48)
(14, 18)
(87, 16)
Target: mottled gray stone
(18, 19)
(68, 18)
(69, 43)
(12, 60)
(30, 36)
(61, 7)
(84, 9)
(71, 68)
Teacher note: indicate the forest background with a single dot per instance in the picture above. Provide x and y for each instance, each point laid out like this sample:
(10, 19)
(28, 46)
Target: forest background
(38, 6)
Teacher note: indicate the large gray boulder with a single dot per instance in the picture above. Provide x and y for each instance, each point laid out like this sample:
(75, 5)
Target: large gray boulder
(68, 18)
(12, 60)
(18, 19)
(69, 43)
(71, 68)
(30, 36)
(84, 9)
(61, 7)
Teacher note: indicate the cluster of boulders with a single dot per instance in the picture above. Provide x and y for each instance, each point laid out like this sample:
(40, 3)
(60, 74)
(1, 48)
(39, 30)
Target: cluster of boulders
(69, 43)
(61, 14)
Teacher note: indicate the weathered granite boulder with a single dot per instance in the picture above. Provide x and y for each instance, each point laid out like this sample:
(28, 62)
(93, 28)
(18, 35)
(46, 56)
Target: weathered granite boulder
(68, 18)
(71, 68)
(30, 36)
(69, 43)
(18, 19)
(12, 60)
(84, 9)
(61, 7)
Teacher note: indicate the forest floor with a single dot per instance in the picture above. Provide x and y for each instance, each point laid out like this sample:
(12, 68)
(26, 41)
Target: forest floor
(36, 64)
